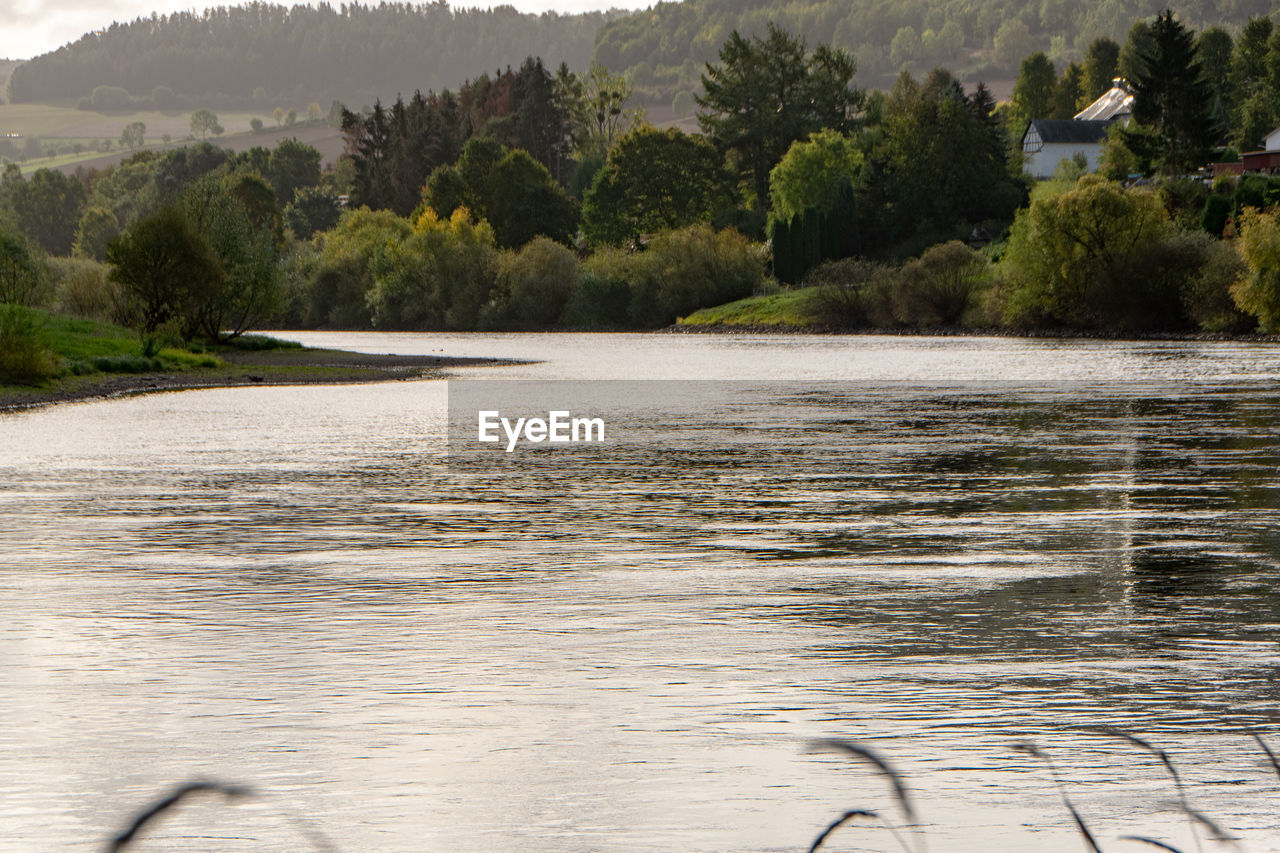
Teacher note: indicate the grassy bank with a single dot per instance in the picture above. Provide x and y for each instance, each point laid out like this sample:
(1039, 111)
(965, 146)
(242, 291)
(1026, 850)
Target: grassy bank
(788, 309)
(47, 358)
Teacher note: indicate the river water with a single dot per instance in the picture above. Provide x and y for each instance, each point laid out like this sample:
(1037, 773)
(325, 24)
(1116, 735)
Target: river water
(936, 548)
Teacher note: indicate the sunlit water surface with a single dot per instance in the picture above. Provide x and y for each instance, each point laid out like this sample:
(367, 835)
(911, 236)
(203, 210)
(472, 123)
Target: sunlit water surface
(295, 589)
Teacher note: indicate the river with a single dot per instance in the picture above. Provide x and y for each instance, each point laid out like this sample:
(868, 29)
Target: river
(937, 548)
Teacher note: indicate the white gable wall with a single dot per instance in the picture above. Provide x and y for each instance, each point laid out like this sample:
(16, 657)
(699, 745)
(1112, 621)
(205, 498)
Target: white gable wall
(1043, 162)
(1271, 142)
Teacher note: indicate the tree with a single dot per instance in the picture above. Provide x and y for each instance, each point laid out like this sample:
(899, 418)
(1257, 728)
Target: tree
(47, 208)
(1253, 105)
(205, 122)
(167, 270)
(1214, 48)
(1172, 98)
(1068, 93)
(526, 201)
(1100, 65)
(654, 180)
(20, 273)
(809, 175)
(1032, 93)
(1136, 45)
(134, 135)
(312, 209)
(595, 108)
(278, 115)
(291, 166)
(291, 118)
(255, 124)
(765, 94)
(1258, 291)
(95, 231)
(233, 218)
(314, 113)
(1074, 259)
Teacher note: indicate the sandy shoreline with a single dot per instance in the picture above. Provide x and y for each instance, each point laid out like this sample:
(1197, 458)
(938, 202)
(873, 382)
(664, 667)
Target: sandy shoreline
(242, 368)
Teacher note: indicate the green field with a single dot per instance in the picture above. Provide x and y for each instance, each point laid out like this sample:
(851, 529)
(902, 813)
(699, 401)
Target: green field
(788, 308)
(64, 127)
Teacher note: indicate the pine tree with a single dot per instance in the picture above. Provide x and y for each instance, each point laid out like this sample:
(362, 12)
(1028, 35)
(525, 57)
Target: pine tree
(1172, 98)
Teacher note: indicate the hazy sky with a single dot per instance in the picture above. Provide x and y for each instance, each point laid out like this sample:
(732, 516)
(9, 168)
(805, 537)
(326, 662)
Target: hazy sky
(31, 27)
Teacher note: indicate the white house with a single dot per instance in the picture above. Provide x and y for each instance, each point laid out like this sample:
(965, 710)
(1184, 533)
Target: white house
(1046, 142)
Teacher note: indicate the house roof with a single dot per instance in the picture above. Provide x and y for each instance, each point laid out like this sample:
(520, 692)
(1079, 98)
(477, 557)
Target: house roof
(1068, 130)
(1116, 101)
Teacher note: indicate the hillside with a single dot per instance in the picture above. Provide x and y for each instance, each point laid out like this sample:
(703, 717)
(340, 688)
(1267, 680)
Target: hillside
(666, 46)
(354, 53)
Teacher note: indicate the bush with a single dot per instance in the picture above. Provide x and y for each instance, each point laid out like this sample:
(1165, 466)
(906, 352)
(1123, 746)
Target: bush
(23, 279)
(854, 293)
(1257, 291)
(533, 286)
(1206, 298)
(440, 276)
(24, 357)
(1184, 199)
(935, 290)
(599, 301)
(83, 288)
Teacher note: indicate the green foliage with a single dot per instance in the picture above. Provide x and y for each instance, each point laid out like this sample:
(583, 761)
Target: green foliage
(25, 359)
(1100, 67)
(312, 209)
(22, 275)
(525, 201)
(82, 288)
(343, 273)
(654, 180)
(1257, 291)
(679, 272)
(293, 165)
(446, 191)
(532, 286)
(167, 270)
(765, 94)
(941, 165)
(47, 208)
(134, 135)
(1184, 200)
(438, 277)
(205, 122)
(234, 221)
(1172, 98)
(1216, 212)
(97, 228)
(810, 173)
(936, 289)
(1207, 297)
(1091, 258)
(1033, 93)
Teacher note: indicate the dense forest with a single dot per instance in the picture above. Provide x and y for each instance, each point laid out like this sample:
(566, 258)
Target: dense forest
(353, 53)
(665, 47)
(356, 53)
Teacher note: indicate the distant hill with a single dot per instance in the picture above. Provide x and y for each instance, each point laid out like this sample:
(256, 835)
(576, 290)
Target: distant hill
(666, 46)
(353, 53)
(6, 68)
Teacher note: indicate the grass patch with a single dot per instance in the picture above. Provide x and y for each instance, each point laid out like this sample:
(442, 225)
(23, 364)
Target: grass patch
(798, 308)
(260, 343)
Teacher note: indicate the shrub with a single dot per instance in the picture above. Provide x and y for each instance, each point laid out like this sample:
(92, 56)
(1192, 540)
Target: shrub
(691, 268)
(83, 288)
(599, 300)
(24, 357)
(854, 293)
(533, 286)
(935, 290)
(438, 277)
(1206, 297)
(22, 274)
(1184, 199)
(1257, 291)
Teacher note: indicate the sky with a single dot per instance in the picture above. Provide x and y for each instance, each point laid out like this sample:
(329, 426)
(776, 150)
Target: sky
(31, 27)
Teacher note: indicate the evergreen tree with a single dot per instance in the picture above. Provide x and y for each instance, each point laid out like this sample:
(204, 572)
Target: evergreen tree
(1100, 64)
(1172, 98)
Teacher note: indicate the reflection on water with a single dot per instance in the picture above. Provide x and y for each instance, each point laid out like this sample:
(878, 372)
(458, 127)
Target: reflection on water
(297, 589)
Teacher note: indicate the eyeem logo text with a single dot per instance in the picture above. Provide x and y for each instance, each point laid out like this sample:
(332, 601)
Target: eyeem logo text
(557, 428)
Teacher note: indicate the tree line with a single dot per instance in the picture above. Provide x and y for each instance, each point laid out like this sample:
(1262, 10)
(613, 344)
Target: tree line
(538, 200)
(351, 52)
